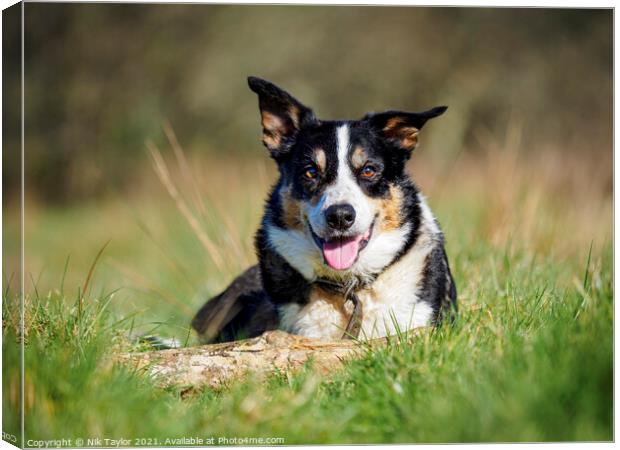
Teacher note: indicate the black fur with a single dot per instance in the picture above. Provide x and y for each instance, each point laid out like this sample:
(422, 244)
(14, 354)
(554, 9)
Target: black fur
(283, 283)
(242, 310)
(437, 286)
(249, 306)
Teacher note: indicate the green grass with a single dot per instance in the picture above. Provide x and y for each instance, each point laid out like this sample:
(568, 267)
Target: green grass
(532, 362)
(529, 358)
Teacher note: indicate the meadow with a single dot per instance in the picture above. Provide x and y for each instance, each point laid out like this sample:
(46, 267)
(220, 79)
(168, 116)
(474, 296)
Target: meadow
(529, 357)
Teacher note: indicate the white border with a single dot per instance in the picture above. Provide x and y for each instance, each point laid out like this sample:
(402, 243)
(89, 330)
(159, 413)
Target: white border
(480, 3)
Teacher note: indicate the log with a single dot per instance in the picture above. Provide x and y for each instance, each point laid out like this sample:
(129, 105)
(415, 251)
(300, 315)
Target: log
(216, 365)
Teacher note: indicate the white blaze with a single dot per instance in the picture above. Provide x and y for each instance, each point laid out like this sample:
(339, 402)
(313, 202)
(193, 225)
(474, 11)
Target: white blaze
(345, 190)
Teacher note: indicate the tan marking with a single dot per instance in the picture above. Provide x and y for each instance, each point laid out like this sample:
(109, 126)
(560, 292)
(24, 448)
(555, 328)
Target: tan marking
(390, 208)
(293, 113)
(359, 158)
(271, 141)
(408, 136)
(320, 159)
(273, 128)
(336, 300)
(271, 122)
(291, 211)
(393, 123)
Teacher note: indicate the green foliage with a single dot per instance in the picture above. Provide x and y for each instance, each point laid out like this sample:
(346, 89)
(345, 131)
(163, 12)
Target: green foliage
(530, 359)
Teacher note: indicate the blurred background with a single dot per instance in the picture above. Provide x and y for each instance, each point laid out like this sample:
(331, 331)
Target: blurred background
(101, 79)
(141, 132)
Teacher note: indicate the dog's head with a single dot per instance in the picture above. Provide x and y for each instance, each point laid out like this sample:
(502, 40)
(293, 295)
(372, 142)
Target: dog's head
(341, 185)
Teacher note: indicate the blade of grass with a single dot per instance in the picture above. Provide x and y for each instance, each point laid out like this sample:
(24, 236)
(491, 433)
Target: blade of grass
(164, 176)
(585, 275)
(64, 274)
(91, 271)
(182, 162)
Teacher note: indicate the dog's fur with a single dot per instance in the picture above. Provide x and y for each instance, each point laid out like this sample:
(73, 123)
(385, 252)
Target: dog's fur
(343, 211)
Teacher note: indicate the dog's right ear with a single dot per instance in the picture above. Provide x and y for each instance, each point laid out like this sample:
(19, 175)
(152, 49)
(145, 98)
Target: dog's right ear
(402, 128)
(282, 116)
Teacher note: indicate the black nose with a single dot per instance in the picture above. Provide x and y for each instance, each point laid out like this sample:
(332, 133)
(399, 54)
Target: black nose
(340, 217)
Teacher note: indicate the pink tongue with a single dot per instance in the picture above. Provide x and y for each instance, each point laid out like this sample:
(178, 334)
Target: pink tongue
(340, 254)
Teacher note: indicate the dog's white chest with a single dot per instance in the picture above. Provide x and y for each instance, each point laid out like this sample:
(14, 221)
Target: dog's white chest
(390, 304)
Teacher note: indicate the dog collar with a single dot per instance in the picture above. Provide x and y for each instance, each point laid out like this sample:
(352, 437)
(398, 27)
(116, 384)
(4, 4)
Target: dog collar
(355, 321)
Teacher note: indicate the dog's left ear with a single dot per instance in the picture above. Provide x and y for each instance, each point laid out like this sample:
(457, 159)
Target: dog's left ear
(282, 116)
(402, 128)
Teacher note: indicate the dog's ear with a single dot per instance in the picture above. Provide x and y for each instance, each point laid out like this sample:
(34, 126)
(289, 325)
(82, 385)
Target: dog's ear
(282, 116)
(402, 128)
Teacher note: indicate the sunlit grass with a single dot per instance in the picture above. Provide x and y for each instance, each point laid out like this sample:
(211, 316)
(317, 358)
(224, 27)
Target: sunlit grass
(529, 357)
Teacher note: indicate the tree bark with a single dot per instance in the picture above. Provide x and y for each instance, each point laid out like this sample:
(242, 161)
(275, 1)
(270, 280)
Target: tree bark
(216, 365)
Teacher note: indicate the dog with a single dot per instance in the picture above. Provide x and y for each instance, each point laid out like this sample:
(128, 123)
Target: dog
(347, 247)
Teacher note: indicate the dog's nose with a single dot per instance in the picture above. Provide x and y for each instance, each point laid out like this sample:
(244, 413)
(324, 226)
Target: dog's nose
(340, 217)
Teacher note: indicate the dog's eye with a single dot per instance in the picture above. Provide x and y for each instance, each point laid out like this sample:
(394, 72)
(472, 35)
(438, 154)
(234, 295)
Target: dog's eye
(311, 173)
(368, 171)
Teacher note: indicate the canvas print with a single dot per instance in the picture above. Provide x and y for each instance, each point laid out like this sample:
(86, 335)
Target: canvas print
(233, 225)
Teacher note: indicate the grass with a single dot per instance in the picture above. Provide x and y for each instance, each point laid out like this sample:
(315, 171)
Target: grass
(530, 357)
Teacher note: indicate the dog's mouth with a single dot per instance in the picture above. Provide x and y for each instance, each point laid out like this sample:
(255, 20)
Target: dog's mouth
(340, 253)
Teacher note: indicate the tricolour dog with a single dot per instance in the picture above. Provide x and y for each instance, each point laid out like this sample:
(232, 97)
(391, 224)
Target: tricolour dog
(347, 246)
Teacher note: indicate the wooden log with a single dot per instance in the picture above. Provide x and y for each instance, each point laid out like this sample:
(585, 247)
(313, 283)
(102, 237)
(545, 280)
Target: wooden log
(216, 365)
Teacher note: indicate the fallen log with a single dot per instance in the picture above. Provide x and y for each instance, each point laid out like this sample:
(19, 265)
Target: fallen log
(216, 365)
